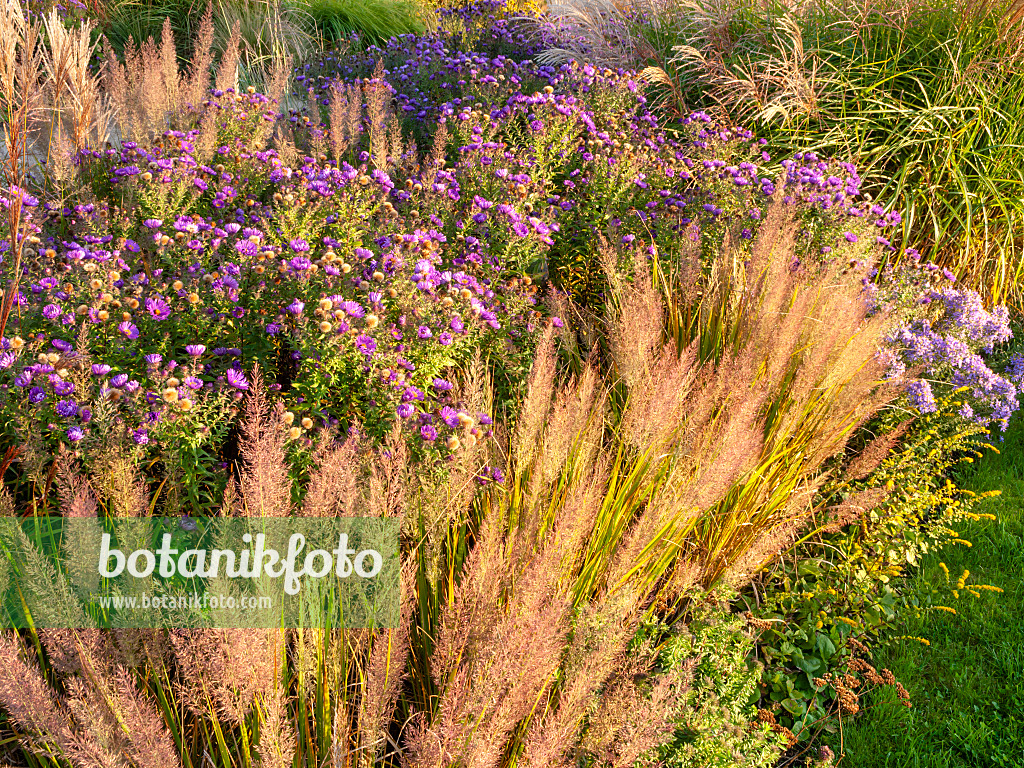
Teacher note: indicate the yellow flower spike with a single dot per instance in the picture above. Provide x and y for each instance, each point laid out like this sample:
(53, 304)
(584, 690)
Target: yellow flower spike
(988, 587)
(974, 592)
(945, 608)
(920, 640)
(851, 622)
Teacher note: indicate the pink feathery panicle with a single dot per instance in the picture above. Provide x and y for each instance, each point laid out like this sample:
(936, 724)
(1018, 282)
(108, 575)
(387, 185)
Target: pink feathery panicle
(148, 740)
(46, 721)
(224, 672)
(386, 670)
(537, 403)
(264, 483)
(334, 489)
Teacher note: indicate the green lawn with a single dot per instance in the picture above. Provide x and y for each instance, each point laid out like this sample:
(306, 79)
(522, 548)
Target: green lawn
(968, 686)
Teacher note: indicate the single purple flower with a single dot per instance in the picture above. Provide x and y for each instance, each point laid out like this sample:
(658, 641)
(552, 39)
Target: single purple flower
(366, 344)
(66, 408)
(237, 379)
(100, 369)
(158, 308)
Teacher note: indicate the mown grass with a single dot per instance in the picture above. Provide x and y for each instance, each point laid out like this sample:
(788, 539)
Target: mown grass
(967, 687)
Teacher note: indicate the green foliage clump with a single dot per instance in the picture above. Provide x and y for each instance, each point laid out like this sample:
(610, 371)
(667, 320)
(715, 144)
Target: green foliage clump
(718, 726)
(849, 577)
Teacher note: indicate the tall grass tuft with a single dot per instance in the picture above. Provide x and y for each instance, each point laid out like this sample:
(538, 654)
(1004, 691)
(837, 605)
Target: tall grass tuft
(375, 21)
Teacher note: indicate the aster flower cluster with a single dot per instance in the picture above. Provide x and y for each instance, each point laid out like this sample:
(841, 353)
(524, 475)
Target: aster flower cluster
(945, 336)
(360, 276)
(572, 134)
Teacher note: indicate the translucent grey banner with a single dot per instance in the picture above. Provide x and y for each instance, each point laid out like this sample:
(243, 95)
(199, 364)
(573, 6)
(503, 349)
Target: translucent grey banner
(169, 572)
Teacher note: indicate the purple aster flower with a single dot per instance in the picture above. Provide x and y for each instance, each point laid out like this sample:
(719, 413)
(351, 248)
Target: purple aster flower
(36, 395)
(85, 414)
(412, 393)
(51, 312)
(158, 308)
(299, 245)
(442, 385)
(428, 433)
(444, 338)
(296, 307)
(119, 380)
(237, 379)
(129, 330)
(154, 358)
(195, 350)
(366, 344)
(75, 434)
(140, 436)
(352, 308)
(193, 382)
(405, 410)
(423, 332)
(498, 475)
(66, 408)
(449, 416)
(100, 369)
(153, 223)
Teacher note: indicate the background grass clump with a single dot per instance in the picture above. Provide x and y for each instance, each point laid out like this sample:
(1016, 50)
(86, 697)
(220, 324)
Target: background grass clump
(924, 97)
